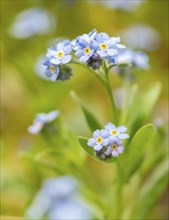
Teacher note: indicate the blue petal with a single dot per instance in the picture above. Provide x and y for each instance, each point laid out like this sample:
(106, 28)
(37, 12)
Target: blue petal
(54, 77)
(66, 59)
(120, 149)
(56, 61)
(98, 147)
(110, 126)
(35, 128)
(79, 52)
(123, 136)
(91, 142)
(106, 141)
(52, 115)
(112, 52)
(60, 46)
(96, 133)
(115, 153)
(102, 53)
(121, 129)
(68, 49)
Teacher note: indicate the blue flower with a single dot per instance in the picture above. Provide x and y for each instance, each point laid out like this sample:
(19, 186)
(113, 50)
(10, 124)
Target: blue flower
(83, 46)
(52, 70)
(86, 37)
(116, 132)
(99, 140)
(137, 59)
(60, 54)
(84, 50)
(106, 46)
(58, 198)
(41, 119)
(115, 147)
(34, 21)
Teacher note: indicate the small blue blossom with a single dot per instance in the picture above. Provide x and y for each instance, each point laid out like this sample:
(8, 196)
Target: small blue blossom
(115, 147)
(106, 46)
(84, 50)
(60, 54)
(34, 21)
(86, 37)
(141, 37)
(99, 140)
(83, 46)
(41, 119)
(52, 70)
(136, 58)
(59, 199)
(116, 132)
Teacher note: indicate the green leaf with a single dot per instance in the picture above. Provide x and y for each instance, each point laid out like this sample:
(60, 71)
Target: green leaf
(134, 156)
(91, 152)
(90, 118)
(142, 107)
(151, 191)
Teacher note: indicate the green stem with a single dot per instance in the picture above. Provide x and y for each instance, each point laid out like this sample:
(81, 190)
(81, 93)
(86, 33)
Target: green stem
(105, 81)
(93, 72)
(119, 192)
(109, 90)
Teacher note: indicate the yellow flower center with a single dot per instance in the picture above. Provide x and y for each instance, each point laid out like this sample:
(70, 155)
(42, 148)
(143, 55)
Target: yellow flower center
(103, 46)
(99, 140)
(114, 132)
(60, 54)
(87, 50)
(114, 146)
(52, 69)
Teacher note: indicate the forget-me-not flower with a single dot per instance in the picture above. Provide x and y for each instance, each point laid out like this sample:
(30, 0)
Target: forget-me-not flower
(83, 46)
(115, 147)
(86, 37)
(106, 46)
(99, 140)
(31, 22)
(141, 37)
(84, 50)
(133, 58)
(59, 199)
(52, 70)
(41, 119)
(126, 5)
(60, 54)
(116, 132)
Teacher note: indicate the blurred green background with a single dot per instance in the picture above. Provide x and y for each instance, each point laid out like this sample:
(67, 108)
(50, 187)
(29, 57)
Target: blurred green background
(24, 94)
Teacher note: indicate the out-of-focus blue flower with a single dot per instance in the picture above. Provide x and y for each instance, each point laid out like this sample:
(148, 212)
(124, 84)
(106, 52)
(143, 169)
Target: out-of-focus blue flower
(60, 54)
(138, 59)
(141, 37)
(86, 37)
(114, 148)
(116, 132)
(59, 199)
(106, 46)
(41, 119)
(126, 5)
(52, 70)
(31, 22)
(83, 46)
(99, 140)
(39, 68)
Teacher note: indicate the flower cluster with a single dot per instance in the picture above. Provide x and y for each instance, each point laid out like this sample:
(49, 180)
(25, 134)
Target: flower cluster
(90, 48)
(41, 120)
(107, 142)
(59, 198)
